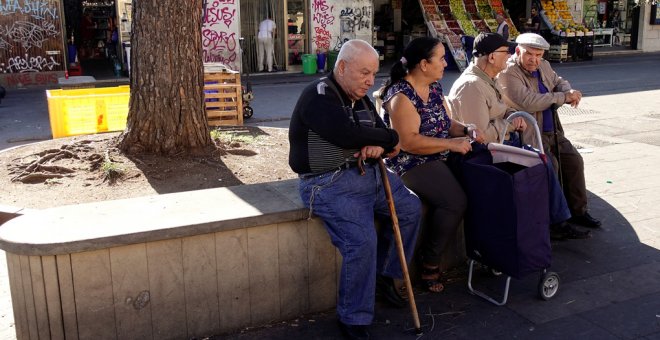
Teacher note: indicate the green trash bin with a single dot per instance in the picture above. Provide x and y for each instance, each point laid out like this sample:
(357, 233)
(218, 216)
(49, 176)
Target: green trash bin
(332, 58)
(309, 63)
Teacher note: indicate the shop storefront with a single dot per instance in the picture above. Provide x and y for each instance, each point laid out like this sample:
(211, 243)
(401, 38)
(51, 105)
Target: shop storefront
(41, 40)
(31, 43)
(97, 37)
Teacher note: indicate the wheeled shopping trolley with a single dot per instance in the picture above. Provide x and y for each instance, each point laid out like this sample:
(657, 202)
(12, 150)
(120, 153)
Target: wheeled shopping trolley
(507, 218)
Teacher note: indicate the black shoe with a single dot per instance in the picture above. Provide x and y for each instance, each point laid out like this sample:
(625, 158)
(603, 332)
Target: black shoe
(563, 231)
(353, 331)
(585, 220)
(385, 287)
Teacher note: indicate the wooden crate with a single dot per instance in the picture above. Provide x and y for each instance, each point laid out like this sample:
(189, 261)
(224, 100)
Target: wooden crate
(558, 53)
(223, 98)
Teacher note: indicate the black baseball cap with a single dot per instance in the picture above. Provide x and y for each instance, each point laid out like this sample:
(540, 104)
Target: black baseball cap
(487, 43)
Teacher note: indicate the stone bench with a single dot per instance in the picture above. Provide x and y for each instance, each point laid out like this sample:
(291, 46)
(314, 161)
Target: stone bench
(179, 265)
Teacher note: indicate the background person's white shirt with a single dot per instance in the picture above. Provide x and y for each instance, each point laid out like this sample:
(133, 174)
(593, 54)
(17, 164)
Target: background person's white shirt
(266, 28)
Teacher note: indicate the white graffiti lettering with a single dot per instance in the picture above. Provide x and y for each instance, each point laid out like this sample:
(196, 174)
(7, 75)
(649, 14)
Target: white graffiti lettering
(355, 19)
(30, 64)
(36, 9)
(29, 34)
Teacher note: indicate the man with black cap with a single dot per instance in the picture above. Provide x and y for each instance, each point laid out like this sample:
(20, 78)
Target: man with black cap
(475, 99)
(530, 84)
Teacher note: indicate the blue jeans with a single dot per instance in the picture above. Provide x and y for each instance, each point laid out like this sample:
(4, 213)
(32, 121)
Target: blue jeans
(347, 203)
(559, 211)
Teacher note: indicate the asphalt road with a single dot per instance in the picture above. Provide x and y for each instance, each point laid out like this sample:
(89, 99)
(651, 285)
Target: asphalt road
(24, 113)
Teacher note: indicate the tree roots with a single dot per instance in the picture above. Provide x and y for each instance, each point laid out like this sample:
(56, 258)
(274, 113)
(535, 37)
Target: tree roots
(43, 168)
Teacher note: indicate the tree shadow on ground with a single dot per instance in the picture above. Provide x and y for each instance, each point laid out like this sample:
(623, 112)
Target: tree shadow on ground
(608, 289)
(185, 172)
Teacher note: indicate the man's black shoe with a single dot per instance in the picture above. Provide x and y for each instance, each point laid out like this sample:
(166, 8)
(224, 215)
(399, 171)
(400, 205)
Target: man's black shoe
(563, 231)
(385, 287)
(357, 332)
(585, 220)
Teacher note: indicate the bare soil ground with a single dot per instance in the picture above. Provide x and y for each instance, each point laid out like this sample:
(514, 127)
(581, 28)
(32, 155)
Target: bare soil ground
(90, 168)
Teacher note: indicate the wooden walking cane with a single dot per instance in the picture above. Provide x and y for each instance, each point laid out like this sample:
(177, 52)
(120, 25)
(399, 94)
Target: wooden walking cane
(399, 246)
(555, 119)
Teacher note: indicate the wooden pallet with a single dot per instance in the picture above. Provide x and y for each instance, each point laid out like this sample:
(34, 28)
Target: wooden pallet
(223, 98)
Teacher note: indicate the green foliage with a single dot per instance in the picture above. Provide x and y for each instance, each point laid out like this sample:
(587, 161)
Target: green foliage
(111, 171)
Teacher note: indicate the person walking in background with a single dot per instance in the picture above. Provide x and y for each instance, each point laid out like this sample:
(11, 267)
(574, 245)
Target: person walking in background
(265, 44)
(475, 99)
(502, 26)
(530, 84)
(414, 107)
(334, 131)
(533, 24)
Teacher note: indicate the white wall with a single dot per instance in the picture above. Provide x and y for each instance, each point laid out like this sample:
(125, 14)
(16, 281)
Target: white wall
(649, 35)
(335, 21)
(220, 33)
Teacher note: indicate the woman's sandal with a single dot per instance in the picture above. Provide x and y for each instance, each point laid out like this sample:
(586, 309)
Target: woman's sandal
(434, 285)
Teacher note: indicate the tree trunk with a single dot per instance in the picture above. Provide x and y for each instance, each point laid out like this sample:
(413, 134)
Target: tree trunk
(166, 111)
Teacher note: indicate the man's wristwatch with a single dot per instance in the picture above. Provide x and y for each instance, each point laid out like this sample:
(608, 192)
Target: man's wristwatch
(465, 130)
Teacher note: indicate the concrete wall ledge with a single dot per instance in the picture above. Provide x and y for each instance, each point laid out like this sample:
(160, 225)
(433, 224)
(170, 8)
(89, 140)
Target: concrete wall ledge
(98, 225)
(173, 266)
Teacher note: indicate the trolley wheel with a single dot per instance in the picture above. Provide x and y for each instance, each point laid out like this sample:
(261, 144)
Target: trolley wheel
(247, 112)
(549, 285)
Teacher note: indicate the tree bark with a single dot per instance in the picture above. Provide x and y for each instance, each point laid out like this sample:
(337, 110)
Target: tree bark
(166, 110)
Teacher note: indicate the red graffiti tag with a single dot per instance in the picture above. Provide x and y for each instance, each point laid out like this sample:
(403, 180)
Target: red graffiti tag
(219, 47)
(215, 15)
(322, 38)
(322, 13)
(27, 79)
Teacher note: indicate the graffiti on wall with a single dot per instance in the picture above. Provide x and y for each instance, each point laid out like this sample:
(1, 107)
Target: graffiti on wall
(322, 18)
(219, 33)
(30, 42)
(33, 8)
(336, 21)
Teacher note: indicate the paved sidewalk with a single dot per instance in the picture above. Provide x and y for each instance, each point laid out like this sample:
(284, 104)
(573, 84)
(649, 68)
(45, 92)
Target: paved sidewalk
(610, 284)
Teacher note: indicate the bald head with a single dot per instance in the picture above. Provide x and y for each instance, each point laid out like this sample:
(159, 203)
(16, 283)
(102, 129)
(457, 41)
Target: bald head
(355, 48)
(356, 67)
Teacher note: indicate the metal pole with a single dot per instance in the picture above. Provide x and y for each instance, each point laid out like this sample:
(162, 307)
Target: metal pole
(399, 246)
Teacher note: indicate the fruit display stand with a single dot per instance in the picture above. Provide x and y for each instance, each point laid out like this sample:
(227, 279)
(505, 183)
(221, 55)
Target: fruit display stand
(458, 11)
(478, 22)
(498, 8)
(441, 29)
(558, 18)
(486, 12)
(223, 99)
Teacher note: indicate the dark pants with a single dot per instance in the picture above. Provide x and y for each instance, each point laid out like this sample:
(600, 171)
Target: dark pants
(436, 186)
(572, 171)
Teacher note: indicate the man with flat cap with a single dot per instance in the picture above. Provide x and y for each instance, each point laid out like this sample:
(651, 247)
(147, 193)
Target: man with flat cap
(476, 99)
(530, 84)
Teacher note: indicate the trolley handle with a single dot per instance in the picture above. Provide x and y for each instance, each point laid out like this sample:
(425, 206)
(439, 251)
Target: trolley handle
(529, 119)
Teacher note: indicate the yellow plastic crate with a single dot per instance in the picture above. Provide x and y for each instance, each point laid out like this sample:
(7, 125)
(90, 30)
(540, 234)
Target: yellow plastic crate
(86, 111)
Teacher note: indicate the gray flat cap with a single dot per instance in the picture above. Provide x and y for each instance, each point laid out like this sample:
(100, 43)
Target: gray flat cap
(532, 40)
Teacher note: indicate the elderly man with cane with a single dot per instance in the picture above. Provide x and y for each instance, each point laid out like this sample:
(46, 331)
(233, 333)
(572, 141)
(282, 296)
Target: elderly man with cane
(530, 84)
(336, 141)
